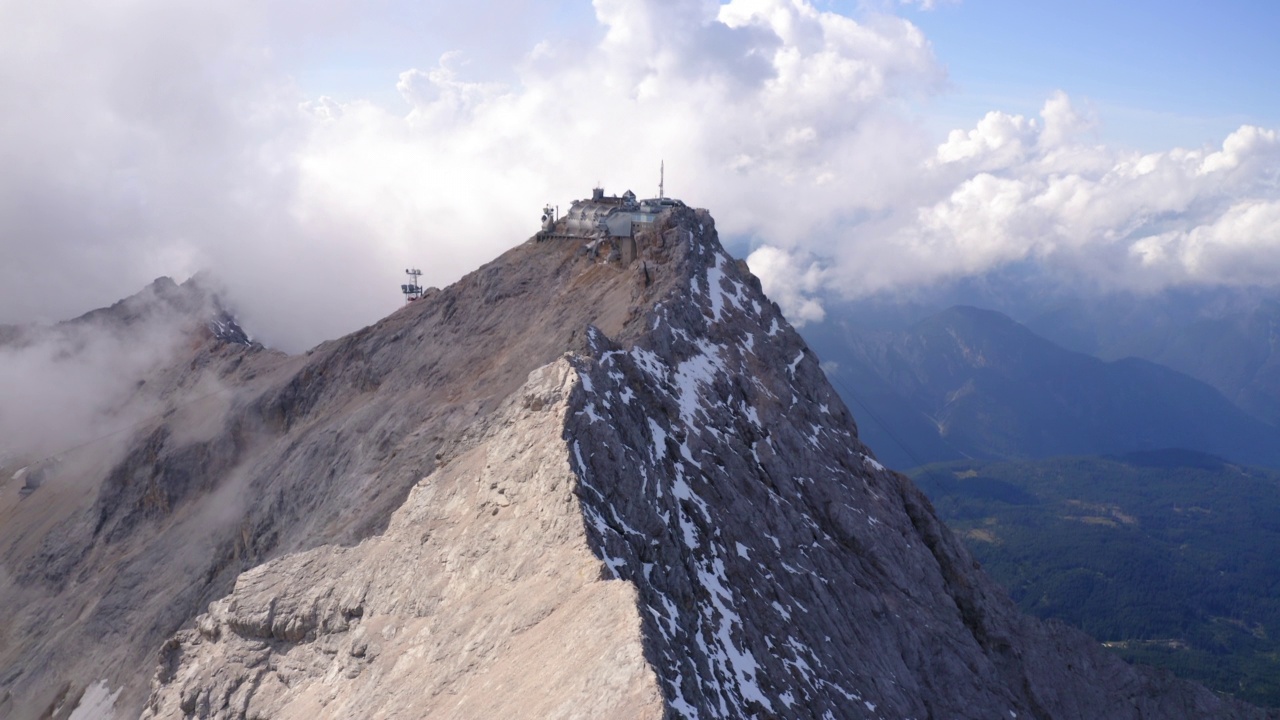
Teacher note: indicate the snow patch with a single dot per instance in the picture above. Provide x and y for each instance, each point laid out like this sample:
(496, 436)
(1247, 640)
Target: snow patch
(590, 412)
(786, 614)
(678, 703)
(791, 369)
(691, 375)
(97, 703)
(614, 564)
(659, 441)
(715, 293)
(737, 297)
(847, 695)
(740, 662)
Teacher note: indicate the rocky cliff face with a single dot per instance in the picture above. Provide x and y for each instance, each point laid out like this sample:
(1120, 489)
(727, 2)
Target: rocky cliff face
(566, 486)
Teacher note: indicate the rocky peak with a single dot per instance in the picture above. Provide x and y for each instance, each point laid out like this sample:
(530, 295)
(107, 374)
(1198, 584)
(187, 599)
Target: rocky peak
(781, 570)
(594, 478)
(194, 307)
(195, 300)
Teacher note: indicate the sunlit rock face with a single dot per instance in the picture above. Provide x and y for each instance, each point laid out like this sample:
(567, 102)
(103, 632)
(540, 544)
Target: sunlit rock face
(577, 483)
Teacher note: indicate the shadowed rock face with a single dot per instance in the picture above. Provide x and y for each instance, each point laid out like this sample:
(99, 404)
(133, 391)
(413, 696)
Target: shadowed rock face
(563, 487)
(782, 571)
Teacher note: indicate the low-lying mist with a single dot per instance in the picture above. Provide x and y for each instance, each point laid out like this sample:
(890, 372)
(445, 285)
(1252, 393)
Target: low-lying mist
(81, 381)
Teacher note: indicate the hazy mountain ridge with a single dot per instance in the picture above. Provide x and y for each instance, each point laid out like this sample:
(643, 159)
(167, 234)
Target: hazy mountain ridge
(107, 399)
(1230, 342)
(991, 388)
(1227, 337)
(194, 303)
(346, 510)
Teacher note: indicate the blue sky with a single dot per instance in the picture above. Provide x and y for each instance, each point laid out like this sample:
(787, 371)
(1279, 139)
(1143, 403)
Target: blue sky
(1177, 72)
(1155, 74)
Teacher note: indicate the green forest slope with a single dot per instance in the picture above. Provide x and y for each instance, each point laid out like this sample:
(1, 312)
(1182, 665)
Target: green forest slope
(1172, 558)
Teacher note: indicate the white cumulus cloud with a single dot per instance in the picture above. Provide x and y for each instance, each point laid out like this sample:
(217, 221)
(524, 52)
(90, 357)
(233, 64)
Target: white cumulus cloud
(792, 283)
(161, 138)
(164, 137)
(1016, 190)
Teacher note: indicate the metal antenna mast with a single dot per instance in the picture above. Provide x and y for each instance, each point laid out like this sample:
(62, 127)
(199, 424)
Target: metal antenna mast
(412, 290)
(662, 178)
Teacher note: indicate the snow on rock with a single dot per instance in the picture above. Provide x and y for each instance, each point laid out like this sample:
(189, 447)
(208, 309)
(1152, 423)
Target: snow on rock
(97, 703)
(705, 421)
(782, 570)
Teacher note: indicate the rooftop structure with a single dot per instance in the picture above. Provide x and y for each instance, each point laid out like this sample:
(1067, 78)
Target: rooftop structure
(602, 216)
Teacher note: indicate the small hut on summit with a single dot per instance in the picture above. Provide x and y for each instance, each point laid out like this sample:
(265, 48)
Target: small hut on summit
(604, 216)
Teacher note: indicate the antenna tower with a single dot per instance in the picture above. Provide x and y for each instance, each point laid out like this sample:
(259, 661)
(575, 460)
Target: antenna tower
(412, 290)
(662, 178)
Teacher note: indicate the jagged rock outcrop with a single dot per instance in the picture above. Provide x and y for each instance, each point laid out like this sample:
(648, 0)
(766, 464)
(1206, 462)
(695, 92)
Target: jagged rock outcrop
(563, 487)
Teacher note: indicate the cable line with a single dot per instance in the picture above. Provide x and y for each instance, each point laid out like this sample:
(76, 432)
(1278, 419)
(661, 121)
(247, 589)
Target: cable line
(846, 392)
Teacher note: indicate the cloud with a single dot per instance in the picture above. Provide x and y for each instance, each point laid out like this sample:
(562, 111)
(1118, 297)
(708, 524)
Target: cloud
(1242, 244)
(926, 4)
(80, 382)
(753, 106)
(167, 137)
(780, 117)
(164, 137)
(1036, 192)
(792, 284)
(150, 137)
(160, 138)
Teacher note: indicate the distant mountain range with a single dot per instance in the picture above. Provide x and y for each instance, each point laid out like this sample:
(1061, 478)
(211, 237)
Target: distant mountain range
(1230, 341)
(1091, 450)
(973, 383)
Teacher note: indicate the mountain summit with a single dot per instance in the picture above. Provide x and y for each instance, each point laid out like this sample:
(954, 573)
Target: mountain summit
(600, 476)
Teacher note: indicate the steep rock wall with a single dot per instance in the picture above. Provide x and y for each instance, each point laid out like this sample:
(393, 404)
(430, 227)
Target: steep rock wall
(782, 571)
(778, 569)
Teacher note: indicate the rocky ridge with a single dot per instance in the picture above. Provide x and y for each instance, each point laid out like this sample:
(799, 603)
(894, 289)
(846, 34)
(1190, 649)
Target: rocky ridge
(481, 599)
(565, 486)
